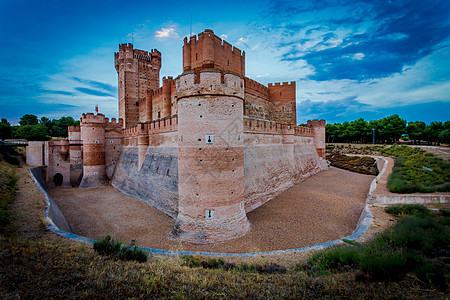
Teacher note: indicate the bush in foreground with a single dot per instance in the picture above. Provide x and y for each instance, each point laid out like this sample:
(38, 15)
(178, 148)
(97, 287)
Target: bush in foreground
(417, 244)
(113, 248)
(411, 209)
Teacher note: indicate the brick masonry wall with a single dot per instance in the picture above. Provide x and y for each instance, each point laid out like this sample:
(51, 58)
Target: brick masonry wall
(210, 159)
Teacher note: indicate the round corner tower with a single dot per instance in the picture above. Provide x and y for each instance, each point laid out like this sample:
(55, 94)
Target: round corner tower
(93, 137)
(319, 136)
(210, 157)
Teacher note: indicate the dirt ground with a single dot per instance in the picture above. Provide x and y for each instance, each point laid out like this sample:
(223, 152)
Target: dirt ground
(322, 208)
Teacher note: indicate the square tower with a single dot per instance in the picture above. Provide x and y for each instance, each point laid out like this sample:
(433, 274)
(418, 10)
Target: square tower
(138, 72)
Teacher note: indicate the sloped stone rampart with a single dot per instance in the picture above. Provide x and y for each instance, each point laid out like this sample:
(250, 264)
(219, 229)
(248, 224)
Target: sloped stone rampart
(155, 183)
(269, 170)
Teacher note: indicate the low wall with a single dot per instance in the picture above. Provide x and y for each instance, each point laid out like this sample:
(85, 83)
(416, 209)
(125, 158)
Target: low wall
(155, 183)
(409, 199)
(52, 213)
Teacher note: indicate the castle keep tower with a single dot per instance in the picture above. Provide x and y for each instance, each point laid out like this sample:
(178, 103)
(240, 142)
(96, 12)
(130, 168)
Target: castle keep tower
(93, 136)
(210, 143)
(207, 50)
(138, 72)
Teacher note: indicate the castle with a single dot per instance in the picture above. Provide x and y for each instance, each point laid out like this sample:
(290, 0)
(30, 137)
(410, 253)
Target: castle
(205, 148)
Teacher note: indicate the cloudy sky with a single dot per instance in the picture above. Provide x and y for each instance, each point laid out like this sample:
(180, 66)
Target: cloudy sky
(350, 58)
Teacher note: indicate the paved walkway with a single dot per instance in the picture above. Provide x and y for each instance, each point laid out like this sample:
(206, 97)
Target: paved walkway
(322, 208)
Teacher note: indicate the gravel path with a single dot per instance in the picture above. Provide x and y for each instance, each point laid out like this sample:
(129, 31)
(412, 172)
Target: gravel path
(322, 208)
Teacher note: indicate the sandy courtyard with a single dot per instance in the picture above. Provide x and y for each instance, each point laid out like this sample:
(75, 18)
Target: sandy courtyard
(322, 208)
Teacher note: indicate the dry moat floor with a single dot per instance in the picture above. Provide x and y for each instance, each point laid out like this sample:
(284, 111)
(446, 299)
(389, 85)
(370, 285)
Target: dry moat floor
(322, 208)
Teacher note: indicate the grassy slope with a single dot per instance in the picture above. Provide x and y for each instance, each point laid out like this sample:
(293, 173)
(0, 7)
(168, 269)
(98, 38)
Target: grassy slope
(35, 263)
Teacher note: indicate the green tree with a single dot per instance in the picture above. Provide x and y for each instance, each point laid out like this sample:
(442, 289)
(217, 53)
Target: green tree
(416, 130)
(344, 132)
(447, 125)
(28, 119)
(376, 124)
(5, 130)
(32, 132)
(59, 126)
(359, 130)
(444, 136)
(331, 132)
(432, 132)
(392, 127)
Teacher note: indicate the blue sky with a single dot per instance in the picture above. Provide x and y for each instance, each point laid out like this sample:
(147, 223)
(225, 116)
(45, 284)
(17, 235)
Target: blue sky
(350, 59)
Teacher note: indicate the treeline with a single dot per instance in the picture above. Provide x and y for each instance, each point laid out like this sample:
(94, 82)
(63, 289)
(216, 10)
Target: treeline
(388, 130)
(33, 129)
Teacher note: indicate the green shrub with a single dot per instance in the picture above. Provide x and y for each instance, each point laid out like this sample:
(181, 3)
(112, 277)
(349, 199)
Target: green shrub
(407, 209)
(416, 170)
(414, 244)
(107, 246)
(444, 188)
(335, 258)
(114, 248)
(445, 212)
(191, 261)
(419, 233)
(389, 263)
(433, 272)
(133, 253)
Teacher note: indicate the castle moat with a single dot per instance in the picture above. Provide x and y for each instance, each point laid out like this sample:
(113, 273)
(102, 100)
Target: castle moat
(319, 209)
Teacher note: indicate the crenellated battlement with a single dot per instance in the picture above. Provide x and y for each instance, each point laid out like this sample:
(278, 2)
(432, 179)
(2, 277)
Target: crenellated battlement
(114, 122)
(125, 47)
(92, 118)
(209, 82)
(207, 50)
(157, 93)
(287, 83)
(169, 124)
(167, 80)
(73, 128)
(304, 131)
(316, 123)
(252, 125)
(256, 86)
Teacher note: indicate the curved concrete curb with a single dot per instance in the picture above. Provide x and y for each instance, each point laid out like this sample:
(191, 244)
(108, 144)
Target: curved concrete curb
(52, 215)
(362, 226)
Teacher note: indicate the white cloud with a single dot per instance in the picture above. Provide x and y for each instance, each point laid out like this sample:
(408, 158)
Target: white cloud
(358, 56)
(224, 36)
(166, 33)
(241, 40)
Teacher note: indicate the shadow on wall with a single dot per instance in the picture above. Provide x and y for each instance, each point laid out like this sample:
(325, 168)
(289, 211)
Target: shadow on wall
(53, 213)
(58, 179)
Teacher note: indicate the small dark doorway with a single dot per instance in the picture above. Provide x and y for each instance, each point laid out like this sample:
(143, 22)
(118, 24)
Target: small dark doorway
(58, 179)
